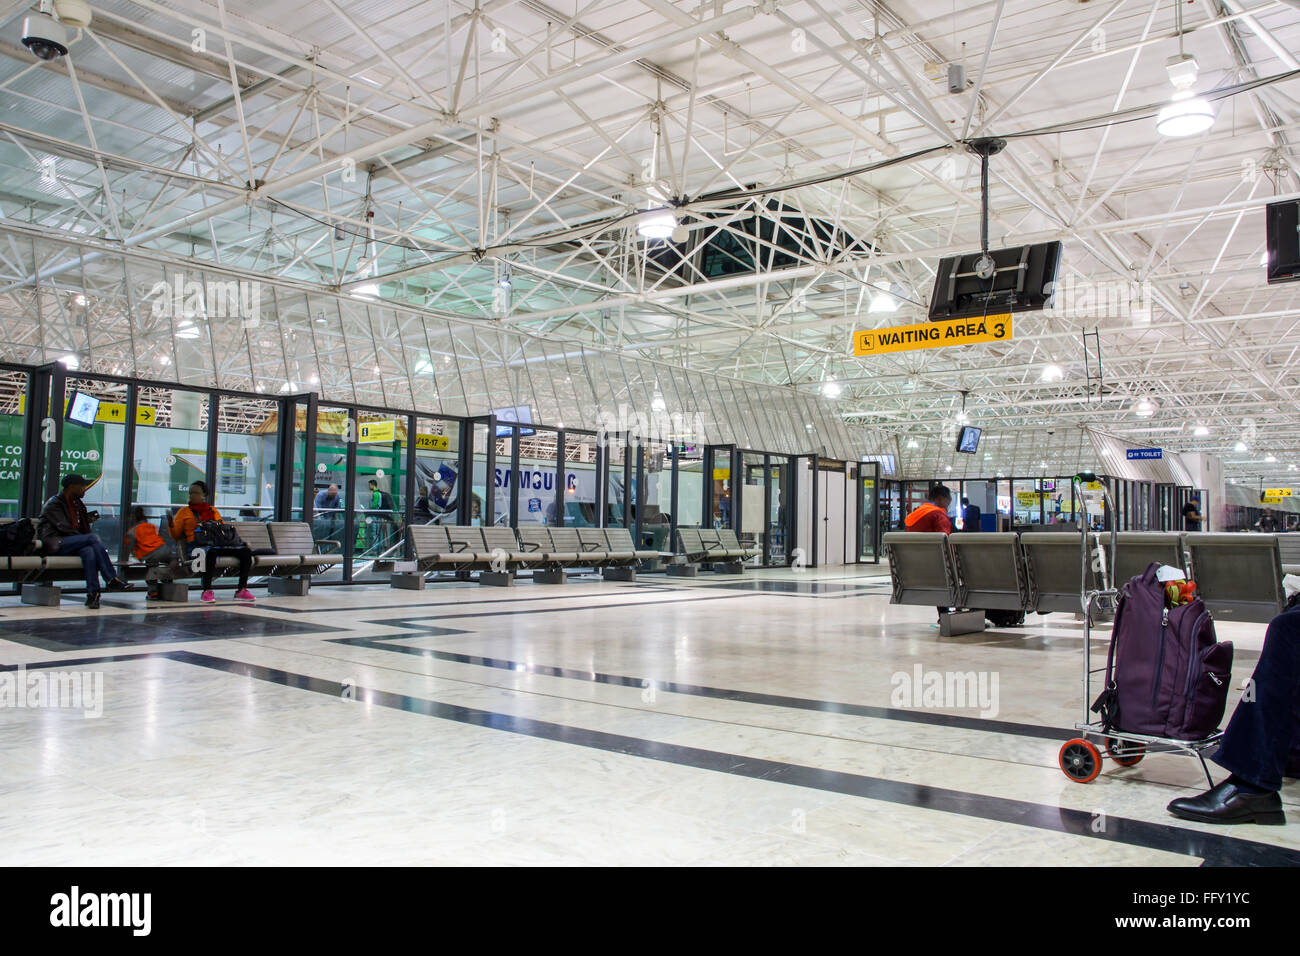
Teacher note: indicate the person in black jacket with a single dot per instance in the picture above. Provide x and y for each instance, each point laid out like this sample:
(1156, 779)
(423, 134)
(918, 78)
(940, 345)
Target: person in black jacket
(64, 530)
(1261, 743)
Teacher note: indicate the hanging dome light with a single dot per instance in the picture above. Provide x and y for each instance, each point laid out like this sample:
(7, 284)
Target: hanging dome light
(883, 301)
(1187, 115)
(1144, 408)
(656, 224)
(1201, 431)
(832, 388)
(1240, 446)
(1053, 373)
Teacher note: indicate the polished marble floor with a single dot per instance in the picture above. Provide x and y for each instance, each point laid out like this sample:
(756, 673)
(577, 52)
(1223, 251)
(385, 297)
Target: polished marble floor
(710, 721)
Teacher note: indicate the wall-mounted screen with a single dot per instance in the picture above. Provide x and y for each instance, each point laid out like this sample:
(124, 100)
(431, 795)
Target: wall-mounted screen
(83, 409)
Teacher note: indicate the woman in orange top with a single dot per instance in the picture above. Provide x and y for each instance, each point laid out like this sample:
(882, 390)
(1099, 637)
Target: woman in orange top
(186, 522)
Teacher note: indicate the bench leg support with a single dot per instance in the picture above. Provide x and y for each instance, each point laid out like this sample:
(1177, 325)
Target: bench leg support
(961, 622)
(683, 570)
(288, 587)
(730, 567)
(556, 576)
(41, 595)
(497, 579)
(620, 574)
(408, 581)
(174, 591)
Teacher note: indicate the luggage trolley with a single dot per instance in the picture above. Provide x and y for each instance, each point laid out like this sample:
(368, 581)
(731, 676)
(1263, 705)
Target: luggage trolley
(1080, 758)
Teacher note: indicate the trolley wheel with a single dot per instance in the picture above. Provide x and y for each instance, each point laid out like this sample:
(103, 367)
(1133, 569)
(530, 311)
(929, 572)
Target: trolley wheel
(1123, 752)
(1080, 760)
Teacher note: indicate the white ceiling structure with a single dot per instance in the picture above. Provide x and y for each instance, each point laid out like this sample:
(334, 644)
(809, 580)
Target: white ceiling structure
(415, 181)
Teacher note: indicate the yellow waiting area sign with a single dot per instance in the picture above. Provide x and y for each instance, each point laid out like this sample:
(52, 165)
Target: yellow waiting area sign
(933, 335)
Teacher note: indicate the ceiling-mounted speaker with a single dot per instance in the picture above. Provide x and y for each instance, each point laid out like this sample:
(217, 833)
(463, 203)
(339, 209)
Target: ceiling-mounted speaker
(956, 78)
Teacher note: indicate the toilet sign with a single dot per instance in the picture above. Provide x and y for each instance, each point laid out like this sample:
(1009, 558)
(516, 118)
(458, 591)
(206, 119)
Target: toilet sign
(1144, 454)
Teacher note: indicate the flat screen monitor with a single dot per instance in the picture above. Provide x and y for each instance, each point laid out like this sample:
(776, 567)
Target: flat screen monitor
(1283, 237)
(1023, 281)
(968, 439)
(520, 413)
(82, 409)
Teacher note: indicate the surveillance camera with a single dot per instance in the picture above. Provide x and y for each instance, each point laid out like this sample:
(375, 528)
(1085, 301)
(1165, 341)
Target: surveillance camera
(45, 37)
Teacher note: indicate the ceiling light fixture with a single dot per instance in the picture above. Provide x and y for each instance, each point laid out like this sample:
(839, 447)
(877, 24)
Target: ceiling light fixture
(1240, 446)
(1187, 114)
(1053, 373)
(884, 301)
(1201, 431)
(1144, 408)
(656, 224)
(369, 290)
(911, 443)
(832, 388)
(1270, 458)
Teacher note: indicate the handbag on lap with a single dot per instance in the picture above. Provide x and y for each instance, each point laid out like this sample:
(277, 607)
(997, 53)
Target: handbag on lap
(216, 534)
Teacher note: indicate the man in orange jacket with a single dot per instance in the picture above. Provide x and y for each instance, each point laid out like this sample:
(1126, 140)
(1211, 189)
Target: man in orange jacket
(933, 516)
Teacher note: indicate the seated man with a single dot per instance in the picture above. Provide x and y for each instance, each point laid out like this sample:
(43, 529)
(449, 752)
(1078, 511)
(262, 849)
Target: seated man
(1261, 744)
(64, 530)
(932, 516)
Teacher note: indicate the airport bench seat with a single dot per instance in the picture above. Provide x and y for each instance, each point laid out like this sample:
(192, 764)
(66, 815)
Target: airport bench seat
(620, 542)
(1288, 547)
(728, 541)
(990, 570)
(921, 569)
(535, 542)
(567, 542)
(1238, 576)
(1055, 571)
(1135, 550)
(493, 552)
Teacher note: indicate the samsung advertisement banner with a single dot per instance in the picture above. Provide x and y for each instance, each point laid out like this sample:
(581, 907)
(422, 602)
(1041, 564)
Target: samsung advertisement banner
(536, 481)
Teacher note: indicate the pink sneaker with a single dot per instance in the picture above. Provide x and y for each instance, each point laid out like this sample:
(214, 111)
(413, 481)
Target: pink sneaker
(208, 598)
(243, 594)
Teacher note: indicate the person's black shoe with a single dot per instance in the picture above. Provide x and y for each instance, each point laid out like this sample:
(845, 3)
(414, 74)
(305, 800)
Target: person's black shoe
(92, 601)
(118, 584)
(1227, 803)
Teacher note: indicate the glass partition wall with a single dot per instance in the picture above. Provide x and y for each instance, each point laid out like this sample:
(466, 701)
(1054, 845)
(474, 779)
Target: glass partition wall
(360, 474)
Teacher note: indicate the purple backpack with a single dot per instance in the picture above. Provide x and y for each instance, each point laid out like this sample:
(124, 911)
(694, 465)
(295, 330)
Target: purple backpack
(1166, 673)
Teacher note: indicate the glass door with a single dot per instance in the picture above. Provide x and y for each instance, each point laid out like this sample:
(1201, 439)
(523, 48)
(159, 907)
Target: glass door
(868, 512)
